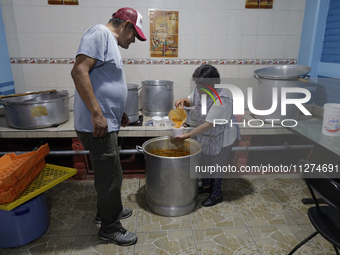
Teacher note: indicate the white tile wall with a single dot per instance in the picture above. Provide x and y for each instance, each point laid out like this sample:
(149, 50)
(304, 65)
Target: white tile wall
(173, 4)
(187, 46)
(19, 78)
(281, 5)
(27, 44)
(294, 24)
(60, 45)
(250, 22)
(292, 46)
(88, 3)
(277, 46)
(23, 19)
(203, 46)
(138, 74)
(57, 19)
(219, 23)
(218, 49)
(235, 22)
(208, 29)
(280, 20)
(48, 76)
(265, 22)
(187, 22)
(297, 5)
(32, 77)
(263, 46)
(248, 46)
(40, 19)
(13, 47)
(231, 71)
(220, 4)
(188, 4)
(233, 44)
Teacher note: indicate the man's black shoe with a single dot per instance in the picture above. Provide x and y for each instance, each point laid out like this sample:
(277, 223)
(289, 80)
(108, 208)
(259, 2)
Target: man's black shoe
(202, 190)
(210, 201)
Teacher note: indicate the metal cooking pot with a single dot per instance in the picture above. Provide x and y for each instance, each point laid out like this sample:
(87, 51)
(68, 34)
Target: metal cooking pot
(169, 189)
(279, 76)
(37, 110)
(157, 96)
(131, 107)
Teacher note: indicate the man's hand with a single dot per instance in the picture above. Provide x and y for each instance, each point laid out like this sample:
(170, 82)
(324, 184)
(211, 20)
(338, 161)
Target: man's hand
(82, 81)
(125, 120)
(99, 126)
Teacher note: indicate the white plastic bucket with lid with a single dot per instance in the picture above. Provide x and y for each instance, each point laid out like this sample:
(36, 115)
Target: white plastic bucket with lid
(331, 120)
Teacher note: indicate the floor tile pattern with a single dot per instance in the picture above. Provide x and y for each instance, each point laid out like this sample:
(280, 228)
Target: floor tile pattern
(258, 216)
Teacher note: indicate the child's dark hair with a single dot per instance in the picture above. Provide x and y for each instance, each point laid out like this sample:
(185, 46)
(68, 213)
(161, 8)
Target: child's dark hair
(207, 74)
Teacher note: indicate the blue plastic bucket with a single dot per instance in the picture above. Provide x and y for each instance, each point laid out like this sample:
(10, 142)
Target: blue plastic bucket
(24, 223)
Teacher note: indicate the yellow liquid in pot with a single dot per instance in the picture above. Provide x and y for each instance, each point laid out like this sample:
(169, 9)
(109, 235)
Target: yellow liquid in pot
(170, 153)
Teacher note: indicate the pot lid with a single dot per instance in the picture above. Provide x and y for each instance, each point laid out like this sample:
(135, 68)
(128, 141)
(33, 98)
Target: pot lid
(283, 72)
(158, 82)
(36, 98)
(132, 86)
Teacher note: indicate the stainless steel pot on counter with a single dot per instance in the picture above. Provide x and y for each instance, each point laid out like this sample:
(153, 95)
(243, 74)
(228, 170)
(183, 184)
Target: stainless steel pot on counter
(279, 76)
(157, 96)
(37, 110)
(131, 108)
(169, 189)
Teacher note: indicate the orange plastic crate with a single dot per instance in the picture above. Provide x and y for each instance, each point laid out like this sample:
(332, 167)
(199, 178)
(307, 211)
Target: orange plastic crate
(14, 167)
(12, 193)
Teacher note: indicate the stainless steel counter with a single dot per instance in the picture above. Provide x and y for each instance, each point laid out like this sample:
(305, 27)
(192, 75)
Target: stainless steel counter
(66, 130)
(312, 130)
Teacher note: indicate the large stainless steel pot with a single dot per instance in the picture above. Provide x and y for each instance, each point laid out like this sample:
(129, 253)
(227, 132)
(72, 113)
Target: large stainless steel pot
(157, 96)
(131, 107)
(169, 189)
(37, 110)
(278, 76)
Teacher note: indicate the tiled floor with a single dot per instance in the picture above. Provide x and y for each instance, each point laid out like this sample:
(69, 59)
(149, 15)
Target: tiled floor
(258, 216)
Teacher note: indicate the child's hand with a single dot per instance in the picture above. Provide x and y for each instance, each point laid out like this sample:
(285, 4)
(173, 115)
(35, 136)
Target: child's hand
(179, 102)
(182, 137)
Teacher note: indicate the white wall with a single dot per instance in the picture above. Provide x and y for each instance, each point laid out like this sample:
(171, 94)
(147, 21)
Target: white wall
(209, 29)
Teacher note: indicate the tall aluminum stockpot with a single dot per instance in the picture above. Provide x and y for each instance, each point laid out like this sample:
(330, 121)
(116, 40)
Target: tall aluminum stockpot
(157, 96)
(169, 189)
(37, 110)
(279, 77)
(131, 107)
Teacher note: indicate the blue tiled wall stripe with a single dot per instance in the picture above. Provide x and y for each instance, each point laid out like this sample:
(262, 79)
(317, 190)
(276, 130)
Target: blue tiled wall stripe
(8, 92)
(3, 84)
(7, 88)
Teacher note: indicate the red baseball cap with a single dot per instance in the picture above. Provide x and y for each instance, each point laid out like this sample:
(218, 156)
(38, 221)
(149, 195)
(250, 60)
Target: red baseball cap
(134, 16)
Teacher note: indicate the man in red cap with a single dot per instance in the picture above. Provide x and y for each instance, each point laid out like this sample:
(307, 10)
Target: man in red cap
(100, 98)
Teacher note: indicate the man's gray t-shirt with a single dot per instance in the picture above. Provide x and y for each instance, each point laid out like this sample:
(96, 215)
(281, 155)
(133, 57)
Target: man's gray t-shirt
(107, 78)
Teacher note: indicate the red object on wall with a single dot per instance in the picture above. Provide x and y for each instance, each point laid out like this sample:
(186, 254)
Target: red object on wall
(241, 157)
(80, 162)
